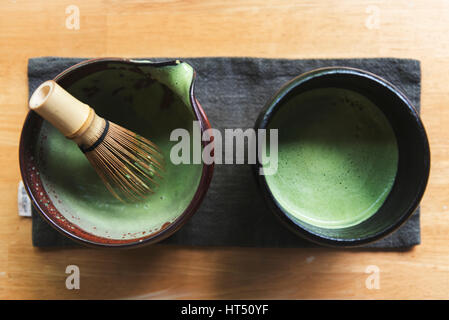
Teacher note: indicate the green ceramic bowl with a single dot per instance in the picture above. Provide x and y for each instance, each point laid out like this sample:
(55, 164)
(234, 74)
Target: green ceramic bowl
(149, 98)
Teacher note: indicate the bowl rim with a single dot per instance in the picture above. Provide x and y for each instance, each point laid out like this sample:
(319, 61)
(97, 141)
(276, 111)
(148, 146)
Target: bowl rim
(50, 213)
(268, 112)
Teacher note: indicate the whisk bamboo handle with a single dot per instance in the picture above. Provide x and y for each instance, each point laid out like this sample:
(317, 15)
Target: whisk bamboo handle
(126, 162)
(69, 115)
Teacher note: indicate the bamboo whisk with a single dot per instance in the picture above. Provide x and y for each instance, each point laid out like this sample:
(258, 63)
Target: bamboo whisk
(126, 162)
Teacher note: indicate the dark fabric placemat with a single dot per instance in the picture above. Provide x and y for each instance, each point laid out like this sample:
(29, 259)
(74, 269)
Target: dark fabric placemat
(232, 92)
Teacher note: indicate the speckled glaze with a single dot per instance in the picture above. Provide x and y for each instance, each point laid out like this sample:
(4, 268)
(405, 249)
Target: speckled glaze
(127, 80)
(413, 155)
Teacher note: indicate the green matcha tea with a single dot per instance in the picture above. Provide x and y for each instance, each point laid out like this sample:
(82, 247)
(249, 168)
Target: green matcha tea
(338, 158)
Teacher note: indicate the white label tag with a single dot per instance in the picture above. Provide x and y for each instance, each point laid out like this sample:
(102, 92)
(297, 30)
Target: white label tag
(23, 201)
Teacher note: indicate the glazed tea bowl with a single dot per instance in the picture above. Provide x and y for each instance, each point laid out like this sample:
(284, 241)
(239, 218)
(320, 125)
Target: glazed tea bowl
(353, 157)
(151, 99)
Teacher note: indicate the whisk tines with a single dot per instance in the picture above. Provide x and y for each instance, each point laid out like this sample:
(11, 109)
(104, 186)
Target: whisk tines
(128, 163)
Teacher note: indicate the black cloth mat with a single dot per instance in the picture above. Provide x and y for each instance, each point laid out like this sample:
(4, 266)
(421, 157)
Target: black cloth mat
(232, 92)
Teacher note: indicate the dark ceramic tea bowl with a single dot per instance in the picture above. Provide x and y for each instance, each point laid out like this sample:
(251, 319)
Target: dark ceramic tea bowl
(148, 98)
(303, 105)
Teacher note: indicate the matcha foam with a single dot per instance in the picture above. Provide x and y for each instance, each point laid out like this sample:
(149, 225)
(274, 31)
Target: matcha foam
(338, 158)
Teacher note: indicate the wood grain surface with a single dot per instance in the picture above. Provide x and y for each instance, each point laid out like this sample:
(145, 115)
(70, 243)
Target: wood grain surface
(260, 28)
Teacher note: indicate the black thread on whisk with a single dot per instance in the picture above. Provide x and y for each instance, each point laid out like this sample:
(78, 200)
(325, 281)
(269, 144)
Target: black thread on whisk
(100, 140)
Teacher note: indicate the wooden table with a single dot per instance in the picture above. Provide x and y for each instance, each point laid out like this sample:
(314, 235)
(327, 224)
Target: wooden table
(305, 29)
